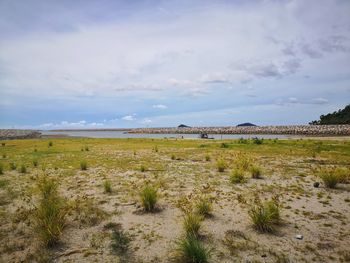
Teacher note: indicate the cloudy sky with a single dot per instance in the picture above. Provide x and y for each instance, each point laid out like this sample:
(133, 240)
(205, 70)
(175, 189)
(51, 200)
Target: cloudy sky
(76, 64)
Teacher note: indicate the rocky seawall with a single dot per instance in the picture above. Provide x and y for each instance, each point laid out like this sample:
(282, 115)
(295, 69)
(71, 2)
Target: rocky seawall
(11, 134)
(311, 130)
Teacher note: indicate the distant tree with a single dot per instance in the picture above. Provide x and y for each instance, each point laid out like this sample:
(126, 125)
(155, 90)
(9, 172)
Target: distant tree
(337, 117)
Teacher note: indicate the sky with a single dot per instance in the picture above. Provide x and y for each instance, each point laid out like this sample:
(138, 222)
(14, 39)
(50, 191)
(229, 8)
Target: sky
(117, 64)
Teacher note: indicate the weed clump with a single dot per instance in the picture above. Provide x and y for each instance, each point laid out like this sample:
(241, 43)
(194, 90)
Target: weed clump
(35, 163)
(173, 157)
(50, 144)
(50, 214)
(329, 177)
(207, 157)
(1, 169)
(83, 165)
(149, 198)
(191, 250)
(237, 176)
(143, 168)
(3, 143)
(265, 216)
(256, 140)
(221, 165)
(107, 186)
(204, 207)
(4, 155)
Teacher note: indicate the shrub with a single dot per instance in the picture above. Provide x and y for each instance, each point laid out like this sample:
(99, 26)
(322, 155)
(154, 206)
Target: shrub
(207, 157)
(23, 169)
(149, 197)
(204, 207)
(143, 168)
(49, 216)
(329, 178)
(221, 165)
(255, 172)
(13, 166)
(107, 186)
(191, 250)
(35, 163)
(237, 176)
(83, 165)
(256, 140)
(265, 216)
(192, 224)
(120, 241)
(50, 144)
(1, 169)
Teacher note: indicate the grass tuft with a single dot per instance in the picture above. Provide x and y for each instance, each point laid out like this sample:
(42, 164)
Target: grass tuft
(13, 166)
(237, 176)
(23, 169)
(191, 250)
(207, 157)
(192, 224)
(50, 144)
(265, 216)
(50, 214)
(35, 163)
(255, 172)
(149, 198)
(221, 165)
(143, 168)
(120, 241)
(83, 165)
(329, 177)
(107, 186)
(204, 207)
(1, 169)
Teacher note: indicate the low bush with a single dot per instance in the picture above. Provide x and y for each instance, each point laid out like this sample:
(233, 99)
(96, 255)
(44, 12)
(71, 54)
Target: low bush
(149, 198)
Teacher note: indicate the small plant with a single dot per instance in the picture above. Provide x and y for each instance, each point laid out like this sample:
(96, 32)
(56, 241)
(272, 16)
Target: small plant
(265, 216)
(149, 198)
(173, 157)
(50, 144)
(242, 141)
(83, 165)
(156, 148)
(143, 168)
(191, 250)
(23, 169)
(256, 140)
(86, 148)
(1, 169)
(224, 145)
(221, 165)
(13, 166)
(204, 207)
(255, 172)
(192, 224)
(120, 241)
(49, 215)
(237, 176)
(207, 157)
(35, 150)
(4, 155)
(107, 186)
(329, 178)
(3, 143)
(35, 163)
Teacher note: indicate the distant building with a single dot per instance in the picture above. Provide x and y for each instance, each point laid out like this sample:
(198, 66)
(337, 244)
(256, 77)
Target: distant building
(246, 124)
(183, 126)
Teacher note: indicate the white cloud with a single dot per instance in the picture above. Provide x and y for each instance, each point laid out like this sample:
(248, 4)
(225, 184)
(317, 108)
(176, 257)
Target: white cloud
(129, 118)
(146, 121)
(160, 106)
(319, 101)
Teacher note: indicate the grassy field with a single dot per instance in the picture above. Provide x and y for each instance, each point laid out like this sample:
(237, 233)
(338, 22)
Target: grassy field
(145, 200)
